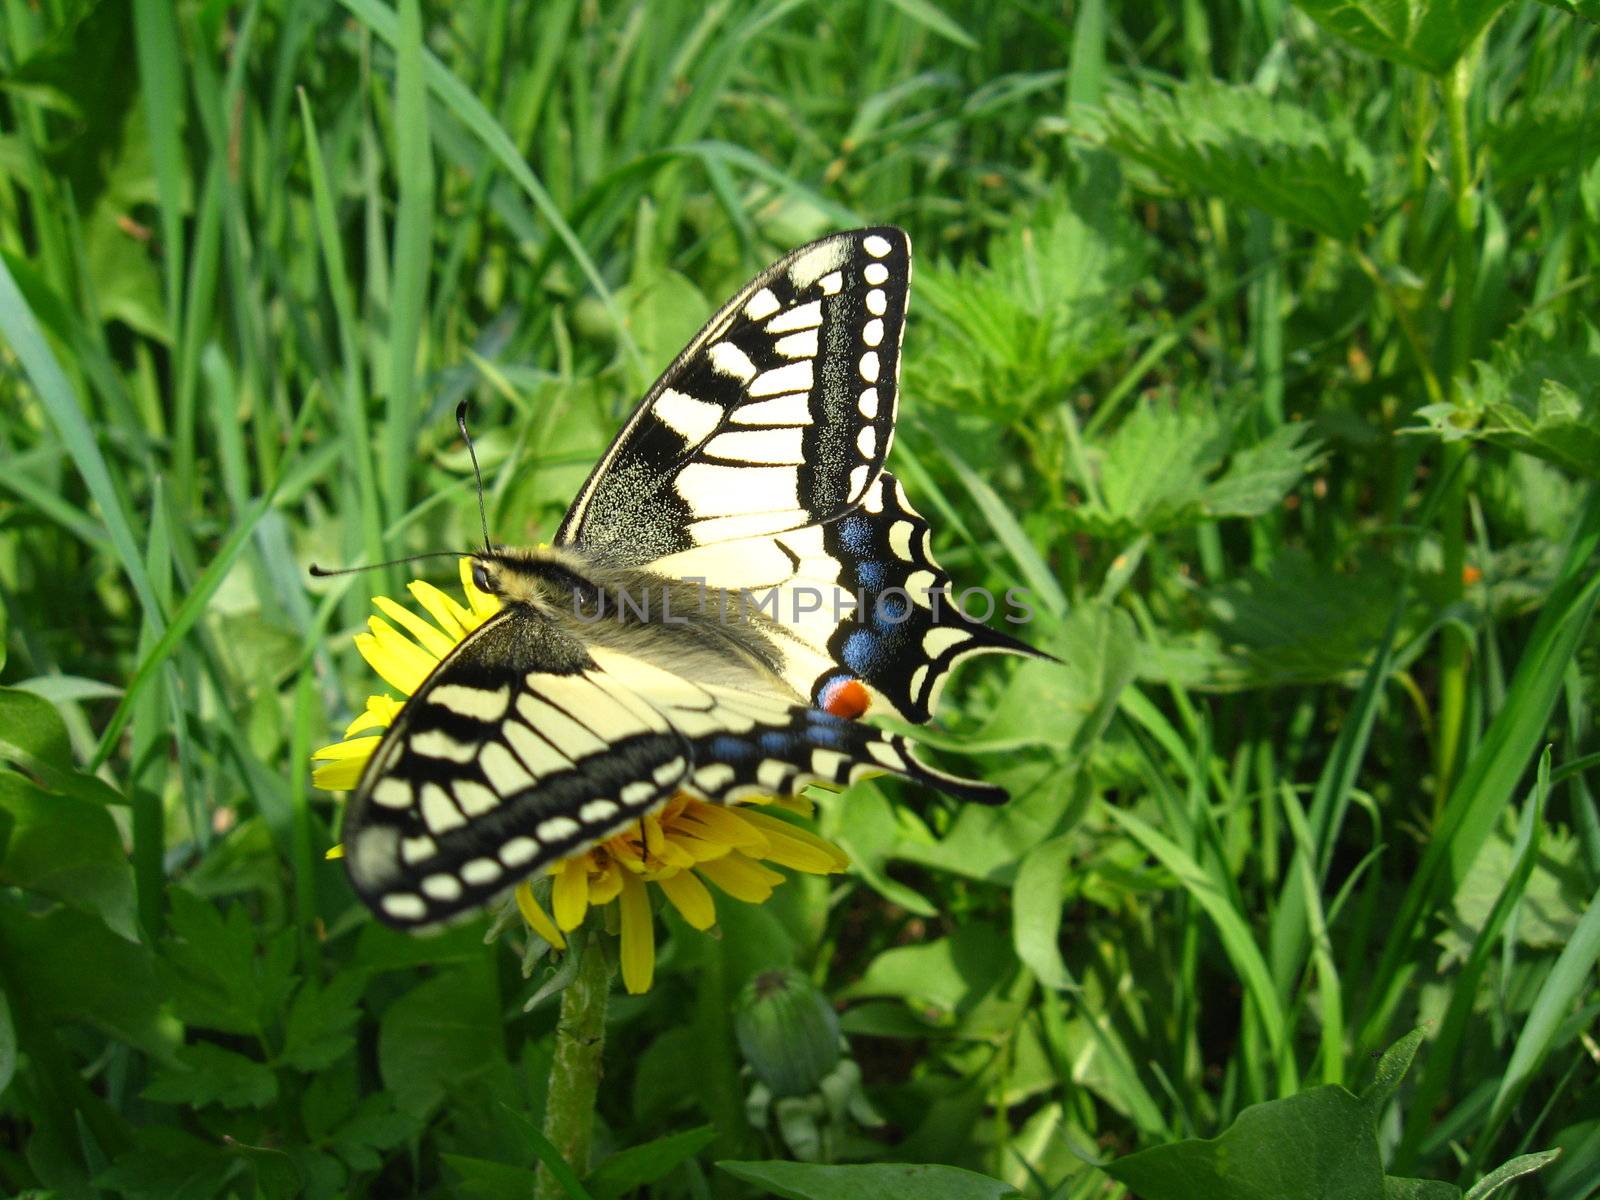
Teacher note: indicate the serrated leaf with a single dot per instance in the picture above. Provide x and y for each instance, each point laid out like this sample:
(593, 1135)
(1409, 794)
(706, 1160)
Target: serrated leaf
(1258, 477)
(1240, 145)
(868, 1181)
(317, 1031)
(1047, 301)
(206, 1073)
(216, 973)
(1429, 34)
(68, 849)
(1538, 397)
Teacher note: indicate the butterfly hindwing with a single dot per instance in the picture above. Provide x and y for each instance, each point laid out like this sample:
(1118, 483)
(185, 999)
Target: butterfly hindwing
(857, 598)
(778, 414)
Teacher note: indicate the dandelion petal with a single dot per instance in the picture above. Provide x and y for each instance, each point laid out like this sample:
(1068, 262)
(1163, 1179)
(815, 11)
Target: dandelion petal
(690, 897)
(638, 936)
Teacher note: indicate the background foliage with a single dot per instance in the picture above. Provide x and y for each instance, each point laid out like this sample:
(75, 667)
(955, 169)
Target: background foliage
(1256, 340)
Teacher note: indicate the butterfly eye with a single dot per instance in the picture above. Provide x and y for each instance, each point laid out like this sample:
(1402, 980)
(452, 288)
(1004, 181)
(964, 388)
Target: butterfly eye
(480, 578)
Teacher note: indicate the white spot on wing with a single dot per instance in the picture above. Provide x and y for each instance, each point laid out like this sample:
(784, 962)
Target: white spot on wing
(869, 403)
(638, 793)
(481, 871)
(439, 812)
(828, 763)
(801, 316)
(875, 245)
(415, 849)
(795, 377)
(798, 345)
(793, 409)
(728, 359)
(919, 584)
(831, 283)
(558, 829)
(474, 798)
(875, 273)
(900, 538)
(774, 775)
(918, 678)
(877, 303)
(780, 445)
(712, 779)
(689, 418)
(481, 704)
(858, 480)
(404, 906)
(436, 743)
(442, 887)
(393, 793)
(818, 261)
(504, 773)
(872, 333)
(941, 638)
(597, 810)
(519, 850)
(716, 491)
(869, 366)
(867, 441)
(762, 304)
(887, 755)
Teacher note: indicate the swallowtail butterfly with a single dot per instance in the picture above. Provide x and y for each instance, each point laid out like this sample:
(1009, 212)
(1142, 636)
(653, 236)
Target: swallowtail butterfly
(671, 638)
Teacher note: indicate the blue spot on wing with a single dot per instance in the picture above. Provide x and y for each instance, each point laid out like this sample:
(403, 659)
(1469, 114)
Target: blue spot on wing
(860, 652)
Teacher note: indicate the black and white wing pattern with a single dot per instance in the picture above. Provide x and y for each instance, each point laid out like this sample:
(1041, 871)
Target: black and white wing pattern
(859, 598)
(756, 463)
(525, 747)
(779, 413)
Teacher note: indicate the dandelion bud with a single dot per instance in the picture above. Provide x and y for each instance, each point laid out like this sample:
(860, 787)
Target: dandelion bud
(787, 1031)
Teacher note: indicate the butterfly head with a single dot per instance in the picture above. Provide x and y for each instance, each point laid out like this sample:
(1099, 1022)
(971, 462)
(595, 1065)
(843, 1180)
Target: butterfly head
(540, 577)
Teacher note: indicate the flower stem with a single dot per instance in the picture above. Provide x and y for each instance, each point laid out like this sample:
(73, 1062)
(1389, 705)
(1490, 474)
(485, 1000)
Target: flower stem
(1454, 645)
(575, 1073)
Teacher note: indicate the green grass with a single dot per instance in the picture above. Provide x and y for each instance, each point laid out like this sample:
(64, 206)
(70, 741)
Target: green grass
(1260, 351)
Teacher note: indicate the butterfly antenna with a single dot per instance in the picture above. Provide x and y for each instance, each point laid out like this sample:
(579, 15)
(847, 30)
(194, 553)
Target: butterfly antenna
(483, 513)
(325, 573)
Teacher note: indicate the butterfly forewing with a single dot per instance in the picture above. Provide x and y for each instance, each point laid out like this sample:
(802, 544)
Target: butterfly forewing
(496, 769)
(779, 414)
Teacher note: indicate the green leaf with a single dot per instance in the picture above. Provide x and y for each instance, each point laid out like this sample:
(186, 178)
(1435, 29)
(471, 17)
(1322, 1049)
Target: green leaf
(869, 1181)
(930, 15)
(1538, 397)
(942, 978)
(439, 1037)
(212, 970)
(1036, 901)
(1047, 300)
(168, 1164)
(638, 1166)
(68, 849)
(210, 1074)
(1319, 1143)
(78, 970)
(1258, 477)
(1509, 1171)
(318, 1029)
(34, 737)
(1242, 146)
(1395, 1188)
(1588, 10)
(1429, 34)
(1392, 1068)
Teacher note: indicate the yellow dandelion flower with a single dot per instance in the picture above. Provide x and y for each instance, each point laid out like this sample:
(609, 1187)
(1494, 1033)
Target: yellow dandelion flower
(679, 848)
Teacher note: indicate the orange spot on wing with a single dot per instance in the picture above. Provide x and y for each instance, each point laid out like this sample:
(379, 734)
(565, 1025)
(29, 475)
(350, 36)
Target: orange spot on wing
(847, 698)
